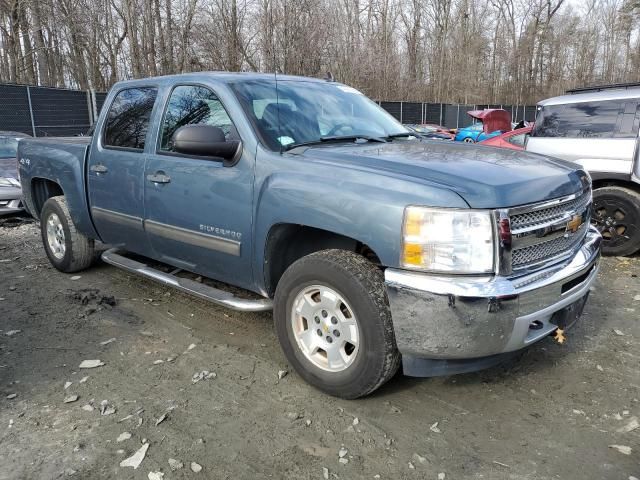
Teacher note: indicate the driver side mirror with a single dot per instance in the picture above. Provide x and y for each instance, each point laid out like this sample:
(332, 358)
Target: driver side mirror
(205, 141)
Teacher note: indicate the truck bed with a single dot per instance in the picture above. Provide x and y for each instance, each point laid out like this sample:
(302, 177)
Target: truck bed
(62, 160)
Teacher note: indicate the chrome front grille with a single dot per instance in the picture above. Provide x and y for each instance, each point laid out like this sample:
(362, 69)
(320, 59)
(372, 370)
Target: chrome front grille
(557, 212)
(550, 231)
(540, 252)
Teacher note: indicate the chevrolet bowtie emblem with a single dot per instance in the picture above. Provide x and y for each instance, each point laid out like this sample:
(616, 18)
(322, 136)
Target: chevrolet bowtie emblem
(574, 224)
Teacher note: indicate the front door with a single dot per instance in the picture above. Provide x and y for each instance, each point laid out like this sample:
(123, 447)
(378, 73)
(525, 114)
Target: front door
(116, 169)
(198, 211)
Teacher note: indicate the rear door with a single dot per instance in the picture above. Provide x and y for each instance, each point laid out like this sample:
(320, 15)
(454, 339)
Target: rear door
(116, 169)
(198, 211)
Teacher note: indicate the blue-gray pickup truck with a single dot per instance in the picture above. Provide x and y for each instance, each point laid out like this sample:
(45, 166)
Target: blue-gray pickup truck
(373, 248)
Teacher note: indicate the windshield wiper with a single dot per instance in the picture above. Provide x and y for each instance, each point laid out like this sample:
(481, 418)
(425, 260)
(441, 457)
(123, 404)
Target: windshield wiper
(343, 138)
(400, 135)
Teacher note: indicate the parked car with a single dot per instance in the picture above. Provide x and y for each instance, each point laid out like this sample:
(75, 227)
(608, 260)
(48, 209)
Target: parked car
(372, 250)
(491, 123)
(10, 191)
(429, 132)
(513, 140)
(598, 128)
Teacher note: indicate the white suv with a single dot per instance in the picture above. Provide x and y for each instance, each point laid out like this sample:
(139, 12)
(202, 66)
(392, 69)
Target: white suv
(597, 127)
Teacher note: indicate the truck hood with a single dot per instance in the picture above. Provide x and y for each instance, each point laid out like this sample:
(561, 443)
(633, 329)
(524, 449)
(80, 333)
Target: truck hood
(485, 177)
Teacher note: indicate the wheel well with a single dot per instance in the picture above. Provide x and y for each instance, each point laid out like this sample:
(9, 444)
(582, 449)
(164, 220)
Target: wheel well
(286, 243)
(616, 183)
(41, 191)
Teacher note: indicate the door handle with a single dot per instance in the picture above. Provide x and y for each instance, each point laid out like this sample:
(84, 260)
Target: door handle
(99, 168)
(159, 177)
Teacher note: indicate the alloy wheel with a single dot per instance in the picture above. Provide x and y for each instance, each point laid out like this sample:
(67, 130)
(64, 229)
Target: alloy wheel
(55, 236)
(616, 222)
(325, 328)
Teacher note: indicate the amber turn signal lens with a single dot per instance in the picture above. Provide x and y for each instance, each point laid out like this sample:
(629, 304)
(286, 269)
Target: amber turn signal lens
(412, 254)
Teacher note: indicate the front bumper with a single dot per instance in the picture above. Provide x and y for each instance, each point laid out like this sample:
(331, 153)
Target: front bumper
(10, 200)
(455, 318)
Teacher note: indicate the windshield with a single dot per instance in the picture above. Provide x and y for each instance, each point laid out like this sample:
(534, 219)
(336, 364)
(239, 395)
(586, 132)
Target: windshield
(303, 112)
(8, 147)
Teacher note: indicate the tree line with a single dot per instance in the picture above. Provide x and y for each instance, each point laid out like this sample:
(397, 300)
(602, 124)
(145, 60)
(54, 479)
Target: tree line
(458, 51)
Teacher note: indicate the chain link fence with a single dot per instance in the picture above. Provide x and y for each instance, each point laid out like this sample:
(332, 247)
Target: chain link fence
(44, 111)
(450, 115)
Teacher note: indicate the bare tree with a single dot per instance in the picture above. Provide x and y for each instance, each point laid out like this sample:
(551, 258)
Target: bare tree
(472, 51)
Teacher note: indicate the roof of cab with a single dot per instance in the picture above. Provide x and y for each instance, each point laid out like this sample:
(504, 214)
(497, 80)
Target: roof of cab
(599, 96)
(224, 77)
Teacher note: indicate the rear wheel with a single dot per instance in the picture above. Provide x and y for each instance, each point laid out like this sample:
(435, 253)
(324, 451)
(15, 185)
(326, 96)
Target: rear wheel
(68, 250)
(468, 140)
(333, 321)
(616, 214)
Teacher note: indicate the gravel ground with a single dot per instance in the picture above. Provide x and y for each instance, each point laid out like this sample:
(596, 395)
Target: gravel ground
(555, 413)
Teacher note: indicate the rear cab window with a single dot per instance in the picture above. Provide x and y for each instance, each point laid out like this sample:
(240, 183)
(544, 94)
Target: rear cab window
(128, 118)
(604, 119)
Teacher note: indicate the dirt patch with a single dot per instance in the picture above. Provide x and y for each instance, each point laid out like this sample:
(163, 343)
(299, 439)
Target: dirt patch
(553, 413)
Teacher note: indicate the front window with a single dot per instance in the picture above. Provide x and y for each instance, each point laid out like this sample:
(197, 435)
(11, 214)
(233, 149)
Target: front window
(194, 105)
(8, 147)
(302, 112)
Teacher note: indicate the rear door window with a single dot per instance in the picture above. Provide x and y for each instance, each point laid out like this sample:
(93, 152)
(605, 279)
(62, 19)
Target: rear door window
(127, 121)
(607, 119)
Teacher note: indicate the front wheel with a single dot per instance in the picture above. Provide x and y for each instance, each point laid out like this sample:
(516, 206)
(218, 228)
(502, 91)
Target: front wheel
(616, 214)
(333, 321)
(68, 250)
(468, 140)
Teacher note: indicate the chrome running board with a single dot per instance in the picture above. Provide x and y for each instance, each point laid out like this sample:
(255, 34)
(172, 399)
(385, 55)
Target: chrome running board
(200, 290)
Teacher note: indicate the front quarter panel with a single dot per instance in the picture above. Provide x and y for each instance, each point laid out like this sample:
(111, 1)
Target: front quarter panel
(360, 204)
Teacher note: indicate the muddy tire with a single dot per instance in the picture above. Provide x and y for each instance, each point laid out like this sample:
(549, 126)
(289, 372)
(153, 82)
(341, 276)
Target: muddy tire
(333, 321)
(68, 250)
(616, 214)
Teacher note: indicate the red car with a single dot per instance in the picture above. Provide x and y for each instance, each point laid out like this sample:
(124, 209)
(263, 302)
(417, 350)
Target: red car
(513, 139)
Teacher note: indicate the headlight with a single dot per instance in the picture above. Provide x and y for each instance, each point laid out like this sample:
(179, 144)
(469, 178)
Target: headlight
(447, 240)
(9, 182)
